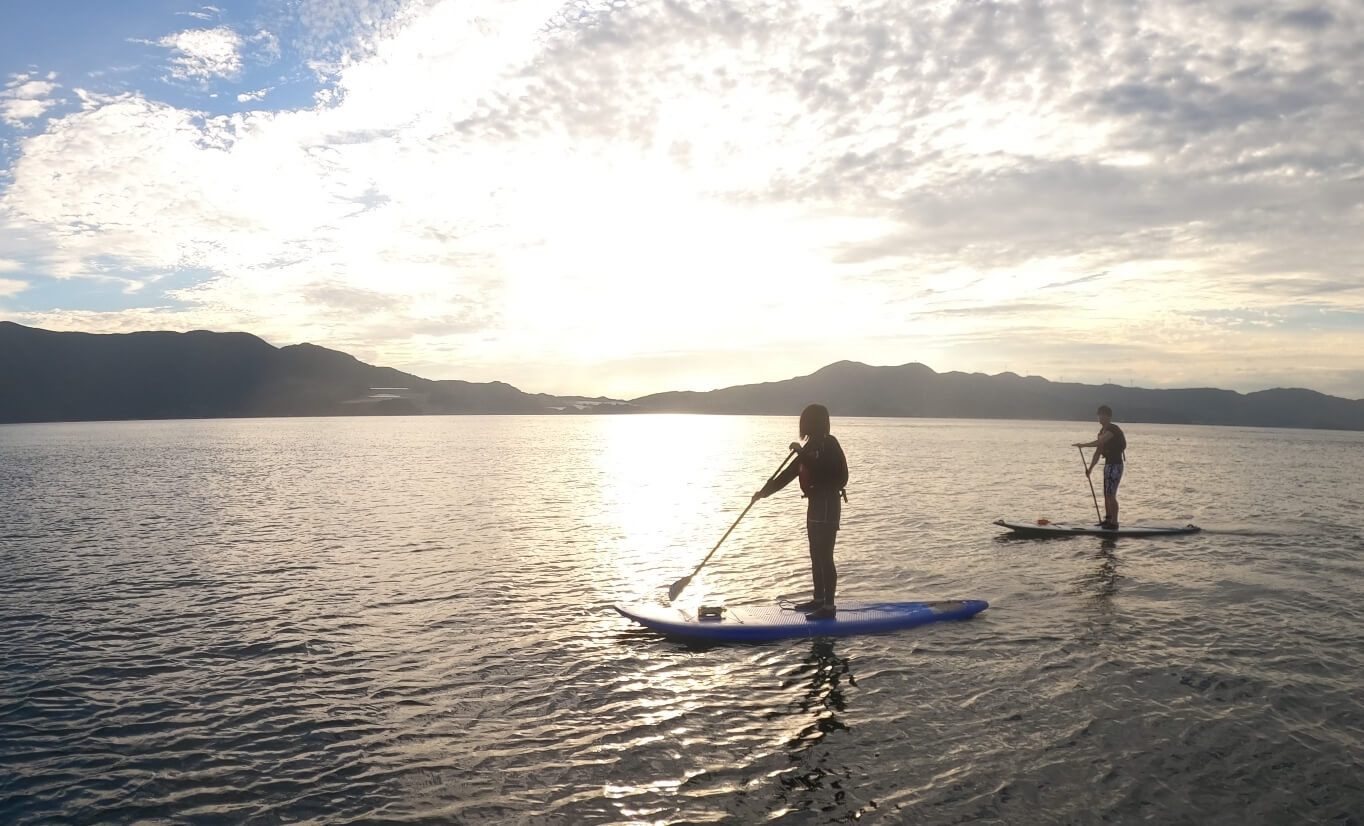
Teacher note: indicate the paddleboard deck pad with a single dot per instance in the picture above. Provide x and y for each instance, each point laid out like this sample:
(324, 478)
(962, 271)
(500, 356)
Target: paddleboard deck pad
(762, 622)
(1044, 528)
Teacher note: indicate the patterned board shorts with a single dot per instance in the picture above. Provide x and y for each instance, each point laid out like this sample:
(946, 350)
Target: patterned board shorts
(1112, 476)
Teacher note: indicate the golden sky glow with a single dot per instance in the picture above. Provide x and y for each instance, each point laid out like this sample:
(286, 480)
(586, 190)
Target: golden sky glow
(620, 199)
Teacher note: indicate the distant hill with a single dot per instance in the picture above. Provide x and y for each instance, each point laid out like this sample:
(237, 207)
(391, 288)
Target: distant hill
(59, 376)
(913, 390)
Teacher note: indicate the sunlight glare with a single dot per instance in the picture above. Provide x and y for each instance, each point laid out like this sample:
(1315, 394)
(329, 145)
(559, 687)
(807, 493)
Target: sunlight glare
(668, 502)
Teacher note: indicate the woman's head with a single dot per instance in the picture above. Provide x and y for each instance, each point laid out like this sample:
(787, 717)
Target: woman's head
(814, 421)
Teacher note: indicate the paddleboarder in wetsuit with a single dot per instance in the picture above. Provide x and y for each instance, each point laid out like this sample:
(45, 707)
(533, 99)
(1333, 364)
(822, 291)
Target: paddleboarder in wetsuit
(823, 472)
(1110, 444)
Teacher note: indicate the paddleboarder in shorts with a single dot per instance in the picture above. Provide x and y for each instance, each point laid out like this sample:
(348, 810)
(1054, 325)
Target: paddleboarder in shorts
(1110, 444)
(823, 472)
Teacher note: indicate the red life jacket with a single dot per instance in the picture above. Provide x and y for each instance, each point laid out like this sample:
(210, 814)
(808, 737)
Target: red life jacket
(832, 469)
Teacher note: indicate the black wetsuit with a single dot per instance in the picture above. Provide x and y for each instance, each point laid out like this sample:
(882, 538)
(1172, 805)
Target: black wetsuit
(823, 472)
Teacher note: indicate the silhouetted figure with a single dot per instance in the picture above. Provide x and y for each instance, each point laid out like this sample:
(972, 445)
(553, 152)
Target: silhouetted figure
(823, 472)
(1109, 444)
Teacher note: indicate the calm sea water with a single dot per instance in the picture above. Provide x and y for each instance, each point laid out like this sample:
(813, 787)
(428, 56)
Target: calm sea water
(409, 620)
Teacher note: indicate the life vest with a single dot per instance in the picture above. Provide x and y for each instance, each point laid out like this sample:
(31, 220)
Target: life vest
(1117, 443)
(819, 472)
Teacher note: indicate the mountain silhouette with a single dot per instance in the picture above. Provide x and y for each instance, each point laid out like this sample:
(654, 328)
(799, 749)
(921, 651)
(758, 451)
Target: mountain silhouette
(914, 390)
(69, 376)
(64, 376)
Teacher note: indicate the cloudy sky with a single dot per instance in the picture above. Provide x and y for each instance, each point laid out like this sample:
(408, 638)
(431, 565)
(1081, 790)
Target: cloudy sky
(619, 197)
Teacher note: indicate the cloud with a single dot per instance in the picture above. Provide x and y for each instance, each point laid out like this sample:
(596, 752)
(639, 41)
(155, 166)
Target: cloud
(9, 286)
(204, 13)
(26, 97)
(334, 34)
(203, 54)
(266, 47)
(497, 180)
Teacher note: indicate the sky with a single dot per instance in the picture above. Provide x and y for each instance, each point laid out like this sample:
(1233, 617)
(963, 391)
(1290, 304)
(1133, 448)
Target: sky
(616, 197)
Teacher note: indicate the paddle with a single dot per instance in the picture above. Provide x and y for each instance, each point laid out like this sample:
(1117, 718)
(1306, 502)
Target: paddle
(1091, 482)
(682, 583)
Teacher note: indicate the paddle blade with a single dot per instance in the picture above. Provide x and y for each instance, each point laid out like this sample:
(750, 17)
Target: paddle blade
(677, 587)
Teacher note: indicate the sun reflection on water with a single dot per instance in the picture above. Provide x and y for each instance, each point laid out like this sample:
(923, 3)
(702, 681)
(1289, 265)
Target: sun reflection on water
(671, 486)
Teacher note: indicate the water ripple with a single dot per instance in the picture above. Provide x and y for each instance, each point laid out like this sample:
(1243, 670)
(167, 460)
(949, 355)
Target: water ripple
(234, 622)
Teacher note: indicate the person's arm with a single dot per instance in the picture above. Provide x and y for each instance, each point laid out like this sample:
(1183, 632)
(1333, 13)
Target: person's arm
(781, 480)
(1097, 444)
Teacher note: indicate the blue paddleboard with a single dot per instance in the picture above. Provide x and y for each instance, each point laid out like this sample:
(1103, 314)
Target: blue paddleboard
(770, 622)
(1043, 528)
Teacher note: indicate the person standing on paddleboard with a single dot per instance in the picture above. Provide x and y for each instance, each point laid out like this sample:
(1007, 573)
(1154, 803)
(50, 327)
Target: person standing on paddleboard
(823, 472)
(1110, 444)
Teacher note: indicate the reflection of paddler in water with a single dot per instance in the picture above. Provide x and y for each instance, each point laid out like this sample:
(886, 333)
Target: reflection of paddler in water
(1102, 583)
(823, 674)
(823, 692)
(823, 472)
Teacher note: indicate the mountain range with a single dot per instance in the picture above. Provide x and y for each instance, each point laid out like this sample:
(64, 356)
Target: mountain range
(69, 376)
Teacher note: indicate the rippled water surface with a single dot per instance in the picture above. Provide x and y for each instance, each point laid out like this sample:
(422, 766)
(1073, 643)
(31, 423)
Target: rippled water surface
(409, 620)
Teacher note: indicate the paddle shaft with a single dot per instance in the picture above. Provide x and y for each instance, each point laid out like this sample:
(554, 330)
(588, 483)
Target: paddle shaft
(686, 580)
(1085, 464)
